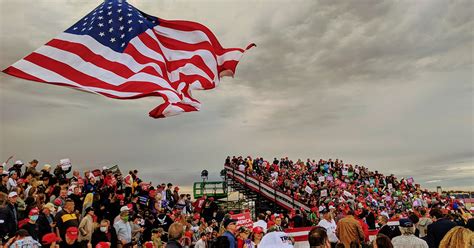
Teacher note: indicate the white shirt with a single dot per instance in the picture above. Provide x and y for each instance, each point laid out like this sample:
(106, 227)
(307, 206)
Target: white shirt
(330, 229)
(242, 167)
(200, 244)
(11, 184)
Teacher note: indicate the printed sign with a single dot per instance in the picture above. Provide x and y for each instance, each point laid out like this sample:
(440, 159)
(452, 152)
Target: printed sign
(65, 163)
(410, 180)
(390, 186)
(321, 178)
(324, 192)
(329, 178)
(345, 172)
(243, 219)
(308, 189)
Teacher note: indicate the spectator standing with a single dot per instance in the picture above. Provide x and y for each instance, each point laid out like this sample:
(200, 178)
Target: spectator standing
(408, 238)
(123, 230)
(105, 233)
(330, 225)
(389, 231)
(11, 215)
(439, 228)
(230, 226)
(32, 225)
(65, 219)
(45, 221)
(202, 242)
(86, 227)
(349, 230)
(175, 233)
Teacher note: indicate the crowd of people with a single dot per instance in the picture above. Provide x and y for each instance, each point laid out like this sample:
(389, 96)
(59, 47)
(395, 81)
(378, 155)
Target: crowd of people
(56, 206)
(351, 195)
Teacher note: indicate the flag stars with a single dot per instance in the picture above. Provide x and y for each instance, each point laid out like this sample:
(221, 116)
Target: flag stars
(140, 21)
(111, 30)
(101, 11)
(84, 29)
(101, 34)
(123, 44)
(129, 21)
(119, 10)
(100, 17)
(100, 24)
(121, 27)
(112, 40)
(109, 13)
(75, 28)
(129, 14)
(110, 21)
(130, 29)
(120, 18)
(122, 36)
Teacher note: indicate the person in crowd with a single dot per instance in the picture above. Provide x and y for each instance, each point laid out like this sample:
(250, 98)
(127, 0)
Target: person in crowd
(318, 238)
(382, 241)
(389, 231)
(202, 242)
(32, 225)
(423, 223)
(12, 181)
(70, 240)
(45, 221)
(439, 227)
(32, 168)
(330, 225)
(156, 237)
(458, 237)
(257, 235)
(261, 222)
(66, 218)
(3, 182)
(105, 233)
(230, 226)
(86, 227)
(124, 230)
(22, 238)
(348, 230)
(408, 238)
(50, 240)
(175, 233)
(243, 238)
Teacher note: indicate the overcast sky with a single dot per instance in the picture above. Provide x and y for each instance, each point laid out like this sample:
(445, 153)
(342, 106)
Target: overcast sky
(384, 84)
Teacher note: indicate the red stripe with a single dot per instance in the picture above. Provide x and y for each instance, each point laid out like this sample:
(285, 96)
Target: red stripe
(142, 59)
(74, 75)
(186, 107)
(21, 74)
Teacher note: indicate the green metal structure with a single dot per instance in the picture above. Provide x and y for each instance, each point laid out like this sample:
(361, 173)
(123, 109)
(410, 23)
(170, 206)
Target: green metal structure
(218, 190)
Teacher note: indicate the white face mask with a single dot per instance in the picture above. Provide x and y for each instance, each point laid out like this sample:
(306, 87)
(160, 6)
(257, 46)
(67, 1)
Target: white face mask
(103, 229)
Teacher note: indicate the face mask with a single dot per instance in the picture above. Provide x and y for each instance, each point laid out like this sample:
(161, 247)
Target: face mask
(125, 219)
(34, 217)
(103, 228)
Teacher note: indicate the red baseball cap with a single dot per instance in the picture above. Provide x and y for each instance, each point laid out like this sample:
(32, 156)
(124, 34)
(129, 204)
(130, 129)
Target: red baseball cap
(72, 232)
(33, 211)
(257, 230)
(50, 238)
(103, 245)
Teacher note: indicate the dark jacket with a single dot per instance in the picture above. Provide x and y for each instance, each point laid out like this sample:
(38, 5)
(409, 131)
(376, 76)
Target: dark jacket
(390, 231)
(98, 236)
(44, 225)
(173, 244)
(437, 230)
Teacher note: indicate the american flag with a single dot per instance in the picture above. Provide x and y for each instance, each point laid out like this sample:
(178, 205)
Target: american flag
(121, 52)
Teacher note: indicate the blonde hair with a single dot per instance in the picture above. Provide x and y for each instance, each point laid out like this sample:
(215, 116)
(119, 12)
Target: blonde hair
(458, 237)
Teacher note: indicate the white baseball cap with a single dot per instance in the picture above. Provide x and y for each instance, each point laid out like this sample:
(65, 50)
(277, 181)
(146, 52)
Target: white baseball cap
(124, 208)
(19, 162)
(12, 194)
(276, 239)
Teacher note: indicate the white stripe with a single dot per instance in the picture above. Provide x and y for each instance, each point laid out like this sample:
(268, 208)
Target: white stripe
(300, 233)
(191, 37)
(109, 54)
(228, 56)
(194, 37)
(53, 77)
(104, 75)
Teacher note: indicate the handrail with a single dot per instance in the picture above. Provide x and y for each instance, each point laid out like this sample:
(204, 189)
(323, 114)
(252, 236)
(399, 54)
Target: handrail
(265, 189)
